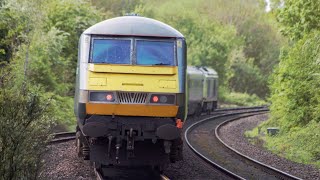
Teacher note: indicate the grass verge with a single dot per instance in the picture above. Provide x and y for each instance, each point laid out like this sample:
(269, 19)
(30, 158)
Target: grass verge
(299, 144)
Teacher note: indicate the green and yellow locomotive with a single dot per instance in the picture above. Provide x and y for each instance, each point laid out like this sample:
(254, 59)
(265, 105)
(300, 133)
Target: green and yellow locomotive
(130, 98)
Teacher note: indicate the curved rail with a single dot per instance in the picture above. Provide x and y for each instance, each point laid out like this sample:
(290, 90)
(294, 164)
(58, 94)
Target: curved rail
(63, 137)
(216, 165)
(226, 171)
(247, 157)
(241, 108)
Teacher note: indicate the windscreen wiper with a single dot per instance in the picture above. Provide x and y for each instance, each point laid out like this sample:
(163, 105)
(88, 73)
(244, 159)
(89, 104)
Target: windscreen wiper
(161, 64)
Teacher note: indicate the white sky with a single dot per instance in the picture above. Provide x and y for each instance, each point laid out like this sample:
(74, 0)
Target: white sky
(268, 8)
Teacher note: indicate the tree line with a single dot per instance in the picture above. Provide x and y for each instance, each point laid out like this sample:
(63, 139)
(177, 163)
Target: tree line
(295, 84)
(38, 54)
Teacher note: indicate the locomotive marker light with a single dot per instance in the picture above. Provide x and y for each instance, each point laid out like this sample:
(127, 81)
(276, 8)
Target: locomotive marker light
(155, 99)
(109, 97)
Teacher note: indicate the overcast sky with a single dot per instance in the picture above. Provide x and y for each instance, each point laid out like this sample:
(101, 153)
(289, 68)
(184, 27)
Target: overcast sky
(268, 5)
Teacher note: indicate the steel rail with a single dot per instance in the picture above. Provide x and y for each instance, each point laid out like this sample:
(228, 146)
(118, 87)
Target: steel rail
(98, 174)
(210, 162)
(289, 176)
(67, 136)
(164, 177)
(62, 137)
(240, 108)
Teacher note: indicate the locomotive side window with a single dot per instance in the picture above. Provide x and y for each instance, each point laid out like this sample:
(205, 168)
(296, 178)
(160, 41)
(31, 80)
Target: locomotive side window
(111, 51)
(155, 52)
(215, 87)
(210, 88)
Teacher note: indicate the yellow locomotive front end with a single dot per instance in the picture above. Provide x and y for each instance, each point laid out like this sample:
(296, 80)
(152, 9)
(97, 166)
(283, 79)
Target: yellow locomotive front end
(130, 98)
(126, 90)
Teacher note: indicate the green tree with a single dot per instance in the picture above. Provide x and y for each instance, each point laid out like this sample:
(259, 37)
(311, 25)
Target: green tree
(69, 19)
(260, 45)
(296, 84)
(209, 42)
(12, 24)
(25, 123)
(299, 17)
(116, 7)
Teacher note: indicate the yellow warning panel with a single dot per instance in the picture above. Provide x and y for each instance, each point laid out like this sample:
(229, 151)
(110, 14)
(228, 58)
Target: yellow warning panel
(144, 81)
(132, 110)
(95, 81)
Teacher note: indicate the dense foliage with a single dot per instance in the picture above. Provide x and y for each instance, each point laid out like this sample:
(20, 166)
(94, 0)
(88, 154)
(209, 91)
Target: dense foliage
(24, 127)
(295, 85)
(237, 38)
(299, 17)
(295, 89)
(38, 53)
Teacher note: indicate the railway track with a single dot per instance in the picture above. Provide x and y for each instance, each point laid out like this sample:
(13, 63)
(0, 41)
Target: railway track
(210, 127)
(203, 139)
(100, 176)
(62, 137)
(68, 136)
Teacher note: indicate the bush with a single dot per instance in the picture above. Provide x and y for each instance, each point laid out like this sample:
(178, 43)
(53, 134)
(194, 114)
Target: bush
(295, 105)
(295, 88)
(23, 129)
(239, 99)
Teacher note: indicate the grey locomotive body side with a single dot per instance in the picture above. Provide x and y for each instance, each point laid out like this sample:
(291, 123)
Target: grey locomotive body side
(202, 90)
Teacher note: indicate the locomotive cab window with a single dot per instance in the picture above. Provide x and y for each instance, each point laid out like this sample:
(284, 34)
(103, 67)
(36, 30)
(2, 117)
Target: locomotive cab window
(111, 51)
(155, 52)
(132, 51)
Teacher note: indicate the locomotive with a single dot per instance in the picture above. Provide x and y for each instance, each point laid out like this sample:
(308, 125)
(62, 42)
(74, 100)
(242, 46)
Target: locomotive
(130, 95)
(202, 90)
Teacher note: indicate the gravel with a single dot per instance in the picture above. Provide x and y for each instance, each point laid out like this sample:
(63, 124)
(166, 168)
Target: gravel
(61, 162)
(233, 134)
(192, 167)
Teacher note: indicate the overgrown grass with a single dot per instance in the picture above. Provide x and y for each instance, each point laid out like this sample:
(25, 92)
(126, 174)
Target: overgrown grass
(295, 105)
(300, 144)
(228, 98)
(63, 109)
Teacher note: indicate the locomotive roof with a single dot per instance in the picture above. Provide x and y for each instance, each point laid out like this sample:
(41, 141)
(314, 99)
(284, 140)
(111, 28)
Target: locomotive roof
(193, 70)
(133, 26)
(209, 71)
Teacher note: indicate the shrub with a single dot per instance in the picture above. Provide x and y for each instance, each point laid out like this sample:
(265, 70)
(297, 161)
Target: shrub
(23, 129)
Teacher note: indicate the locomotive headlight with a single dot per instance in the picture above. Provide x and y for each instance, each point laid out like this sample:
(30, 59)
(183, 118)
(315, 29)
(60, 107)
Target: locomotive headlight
(106, 97)
(162, 99)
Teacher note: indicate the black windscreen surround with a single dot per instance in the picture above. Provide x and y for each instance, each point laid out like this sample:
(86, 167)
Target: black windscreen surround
(133, 51)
